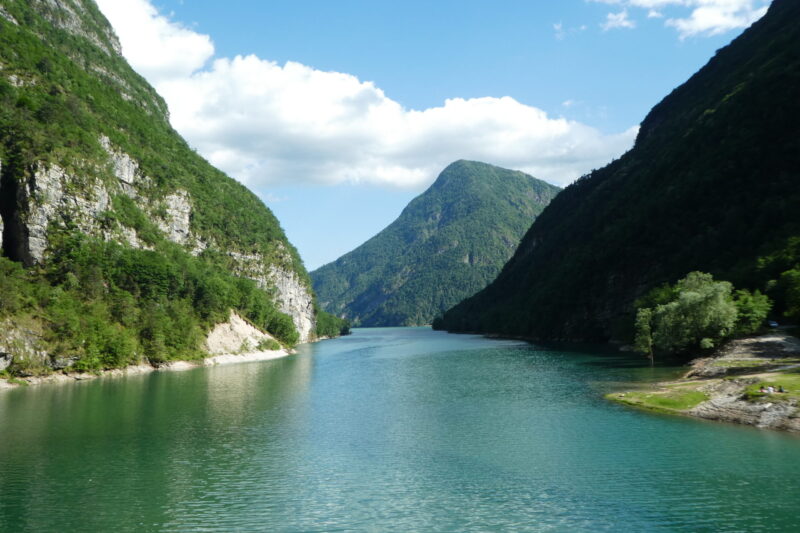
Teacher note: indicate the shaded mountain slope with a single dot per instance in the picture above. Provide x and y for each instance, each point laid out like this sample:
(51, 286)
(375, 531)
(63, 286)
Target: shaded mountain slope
(711, 184)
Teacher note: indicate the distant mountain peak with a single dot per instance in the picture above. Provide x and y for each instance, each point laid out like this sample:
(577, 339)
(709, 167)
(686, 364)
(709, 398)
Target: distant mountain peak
(448, 242)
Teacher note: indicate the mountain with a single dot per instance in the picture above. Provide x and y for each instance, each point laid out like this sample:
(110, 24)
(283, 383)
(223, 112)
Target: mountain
(120, 243)
(448, 243)
(712, 184)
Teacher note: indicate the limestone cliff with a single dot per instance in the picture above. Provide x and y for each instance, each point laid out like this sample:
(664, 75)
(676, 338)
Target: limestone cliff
(45, 200)
(87, 151)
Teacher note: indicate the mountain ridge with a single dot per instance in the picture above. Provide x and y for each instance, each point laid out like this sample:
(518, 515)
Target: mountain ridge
(709, 185)
(428, 257)
(120, 242)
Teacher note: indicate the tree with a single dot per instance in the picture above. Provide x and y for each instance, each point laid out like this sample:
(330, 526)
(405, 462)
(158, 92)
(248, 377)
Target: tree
(700, 314)
(790, 284)
(644, 334)
(753, 309)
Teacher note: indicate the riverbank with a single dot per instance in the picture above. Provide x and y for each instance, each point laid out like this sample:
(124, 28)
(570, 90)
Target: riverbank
(72, 377)
(734, 385)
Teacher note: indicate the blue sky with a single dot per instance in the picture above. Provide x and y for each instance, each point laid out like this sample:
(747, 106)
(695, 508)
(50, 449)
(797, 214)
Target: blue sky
(339, 113)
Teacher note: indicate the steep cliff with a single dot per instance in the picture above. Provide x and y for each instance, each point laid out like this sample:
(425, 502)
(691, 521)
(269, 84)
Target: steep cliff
(447, 244)
(87, 153)
(710, 185)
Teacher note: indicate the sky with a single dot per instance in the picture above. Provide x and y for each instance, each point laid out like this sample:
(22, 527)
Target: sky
(337, 114)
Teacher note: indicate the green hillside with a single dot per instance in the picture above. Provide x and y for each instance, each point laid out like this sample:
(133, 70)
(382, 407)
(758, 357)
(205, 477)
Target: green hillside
(712, 184)
(121, 244)
(448, 243)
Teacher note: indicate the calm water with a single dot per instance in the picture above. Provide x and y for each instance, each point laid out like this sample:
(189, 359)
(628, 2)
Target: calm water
(385, 430)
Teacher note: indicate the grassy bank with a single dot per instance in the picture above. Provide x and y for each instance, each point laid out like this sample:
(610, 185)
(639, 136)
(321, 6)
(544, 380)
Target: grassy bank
(733, 385)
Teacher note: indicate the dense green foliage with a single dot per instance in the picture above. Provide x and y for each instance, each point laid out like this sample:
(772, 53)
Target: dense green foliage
(448, 243)
(64, 86)
(69, 91)
(329, 325)
(697, 312)
(711, 185)
(779, 272)
(102, 305)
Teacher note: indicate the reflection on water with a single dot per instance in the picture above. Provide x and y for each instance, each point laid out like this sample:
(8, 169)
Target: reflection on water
(388, 429)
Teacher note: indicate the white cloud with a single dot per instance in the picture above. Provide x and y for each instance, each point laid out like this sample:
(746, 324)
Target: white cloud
(159, 48)
(618, 20)
(715, 17)
(696, 17)
(266, 123)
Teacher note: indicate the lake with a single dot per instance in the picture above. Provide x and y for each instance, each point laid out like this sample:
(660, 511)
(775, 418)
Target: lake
(388, 429)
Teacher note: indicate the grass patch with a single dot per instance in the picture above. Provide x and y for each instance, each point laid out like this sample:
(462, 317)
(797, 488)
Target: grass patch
(789, 382)
(268, 345)
(745, 363)
(670, 400)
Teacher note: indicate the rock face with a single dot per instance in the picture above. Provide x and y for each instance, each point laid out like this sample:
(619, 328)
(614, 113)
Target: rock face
(91, 152)
(295, 300)
(42, 201)
(73, 19)
(293, 297)
(235, 336)
(21, 343)
(176, 222)
(47, 199)
(727, 405)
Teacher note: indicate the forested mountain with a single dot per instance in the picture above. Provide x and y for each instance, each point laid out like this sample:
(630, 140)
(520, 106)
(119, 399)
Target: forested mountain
(120, 243)
(448, 243)
(712, 184)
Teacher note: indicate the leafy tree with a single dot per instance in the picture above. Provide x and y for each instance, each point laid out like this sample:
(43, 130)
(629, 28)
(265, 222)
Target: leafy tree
(790, 284)
(644, 332)
(753, 308)
(697, 312)
(329, 325)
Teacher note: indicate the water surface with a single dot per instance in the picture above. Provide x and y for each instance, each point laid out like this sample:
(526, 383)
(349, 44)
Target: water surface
(397, 429)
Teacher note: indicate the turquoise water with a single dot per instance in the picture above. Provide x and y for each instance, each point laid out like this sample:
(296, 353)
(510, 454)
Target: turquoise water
(401, 429)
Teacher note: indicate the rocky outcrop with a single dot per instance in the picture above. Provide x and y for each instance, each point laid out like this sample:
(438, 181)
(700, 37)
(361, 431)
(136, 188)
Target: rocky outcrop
(21, 344)
(728, 404)
(292, 295)
(237, 336)
(175, 224)
(6, 15)
(74, 18)
(49, 197)
(294, 299)
(748, 381)
(749, 355)
(42, 200)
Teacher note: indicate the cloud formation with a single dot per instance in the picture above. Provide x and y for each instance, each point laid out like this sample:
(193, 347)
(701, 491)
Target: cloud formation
(618, 20)
(266, 123)
(700, 17)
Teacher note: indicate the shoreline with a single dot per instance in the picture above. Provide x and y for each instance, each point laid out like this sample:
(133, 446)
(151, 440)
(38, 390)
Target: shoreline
(733, 385)
(143, 368)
